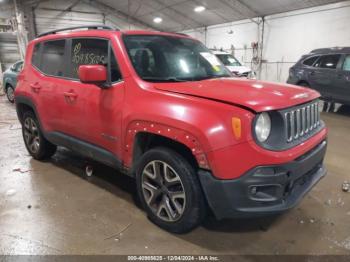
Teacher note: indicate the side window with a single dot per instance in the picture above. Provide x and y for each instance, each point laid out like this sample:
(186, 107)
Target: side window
(310, 61)
(52, 62)
(115, 71)
(328, 61)
(36, 56)
(87, 51)
(346, 65)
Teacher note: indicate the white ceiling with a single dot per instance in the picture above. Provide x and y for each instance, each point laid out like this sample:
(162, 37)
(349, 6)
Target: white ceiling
(179, 15)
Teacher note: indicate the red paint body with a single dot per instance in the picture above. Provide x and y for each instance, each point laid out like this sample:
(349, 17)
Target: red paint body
(196, 114)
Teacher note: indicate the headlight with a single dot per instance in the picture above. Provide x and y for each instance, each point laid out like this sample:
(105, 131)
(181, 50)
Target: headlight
(262, 127)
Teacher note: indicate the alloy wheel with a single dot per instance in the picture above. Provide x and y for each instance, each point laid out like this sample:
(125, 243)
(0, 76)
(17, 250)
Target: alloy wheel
(31, 135)
(163, 191)
(10, 94)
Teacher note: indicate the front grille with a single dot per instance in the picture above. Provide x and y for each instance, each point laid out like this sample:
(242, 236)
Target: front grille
(302, 121)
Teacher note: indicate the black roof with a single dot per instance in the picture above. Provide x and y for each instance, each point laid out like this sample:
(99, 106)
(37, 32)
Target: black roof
(332, 50)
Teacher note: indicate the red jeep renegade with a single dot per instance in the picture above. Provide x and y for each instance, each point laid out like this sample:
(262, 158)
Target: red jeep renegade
(163, 109)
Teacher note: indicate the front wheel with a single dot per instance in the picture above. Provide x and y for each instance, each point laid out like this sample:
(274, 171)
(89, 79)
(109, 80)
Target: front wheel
(169, 191)
(10, 93)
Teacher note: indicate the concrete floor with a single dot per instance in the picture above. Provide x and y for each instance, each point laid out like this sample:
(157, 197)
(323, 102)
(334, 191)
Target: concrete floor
(52, 208)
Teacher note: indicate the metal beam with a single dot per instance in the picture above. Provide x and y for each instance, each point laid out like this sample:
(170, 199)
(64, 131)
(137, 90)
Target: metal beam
(21, 32)
(114, 12)
(242, 3)
(31, 25)
(213, 11)
(174, 14)
(235, 6)
(69, 8)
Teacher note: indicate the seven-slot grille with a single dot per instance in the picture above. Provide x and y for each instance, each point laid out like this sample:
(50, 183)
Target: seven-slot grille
(302, 120)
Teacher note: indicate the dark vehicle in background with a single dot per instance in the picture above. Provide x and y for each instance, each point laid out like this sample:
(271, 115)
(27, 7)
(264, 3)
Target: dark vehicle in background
(326, 70)
(10, 80)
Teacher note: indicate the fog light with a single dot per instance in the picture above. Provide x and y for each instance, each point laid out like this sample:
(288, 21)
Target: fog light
(253, 190)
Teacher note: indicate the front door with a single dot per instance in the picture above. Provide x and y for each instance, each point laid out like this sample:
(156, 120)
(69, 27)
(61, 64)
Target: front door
(342, 81)
(323, 75)
(99, 107)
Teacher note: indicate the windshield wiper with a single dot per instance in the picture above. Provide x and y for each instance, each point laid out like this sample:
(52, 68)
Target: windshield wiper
(164, 79)
(211, 77)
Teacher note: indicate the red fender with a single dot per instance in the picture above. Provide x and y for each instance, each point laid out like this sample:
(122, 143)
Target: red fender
(175, 134)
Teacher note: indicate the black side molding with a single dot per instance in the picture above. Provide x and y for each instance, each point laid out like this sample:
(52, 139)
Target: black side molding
(84, 148)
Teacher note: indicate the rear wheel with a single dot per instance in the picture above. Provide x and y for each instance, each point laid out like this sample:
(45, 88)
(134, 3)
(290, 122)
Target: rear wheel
(10, 93)
(36, 144)
(169, 191)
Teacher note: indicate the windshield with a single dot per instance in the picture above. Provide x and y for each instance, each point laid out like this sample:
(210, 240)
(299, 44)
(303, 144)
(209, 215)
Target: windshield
(172, 59)
(229, 60)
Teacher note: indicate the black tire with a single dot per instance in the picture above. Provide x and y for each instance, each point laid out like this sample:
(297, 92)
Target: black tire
(37, 145)
(10, 93)
(304, 84)
(193, 206)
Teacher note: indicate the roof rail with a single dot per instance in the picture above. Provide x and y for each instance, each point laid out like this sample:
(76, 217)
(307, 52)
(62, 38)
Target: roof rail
(89, 27)
(181, 34)
(331, 50)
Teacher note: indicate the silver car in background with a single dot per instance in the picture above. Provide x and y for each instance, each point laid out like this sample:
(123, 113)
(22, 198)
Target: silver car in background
(10, 80)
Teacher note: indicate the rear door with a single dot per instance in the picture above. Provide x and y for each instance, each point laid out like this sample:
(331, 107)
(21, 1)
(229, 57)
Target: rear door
(342, 81)
(323, 75)
(45, 82)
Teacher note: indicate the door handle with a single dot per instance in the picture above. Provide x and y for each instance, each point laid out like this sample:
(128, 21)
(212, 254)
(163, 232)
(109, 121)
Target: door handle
(312, 73)
(35, 87)
(70, 95)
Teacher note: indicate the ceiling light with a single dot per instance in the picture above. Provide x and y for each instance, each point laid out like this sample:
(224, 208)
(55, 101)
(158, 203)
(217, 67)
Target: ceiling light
(199, 9)
(158, 20)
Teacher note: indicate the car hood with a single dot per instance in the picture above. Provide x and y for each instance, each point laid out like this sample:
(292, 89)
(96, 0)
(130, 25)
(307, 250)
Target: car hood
(256, 95)
(239, 69)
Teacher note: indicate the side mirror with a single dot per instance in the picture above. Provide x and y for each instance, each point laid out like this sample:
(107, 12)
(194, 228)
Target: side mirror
(93, 74)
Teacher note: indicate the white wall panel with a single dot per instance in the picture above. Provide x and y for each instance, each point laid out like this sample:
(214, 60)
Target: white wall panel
(8, 50)
(287, 36)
